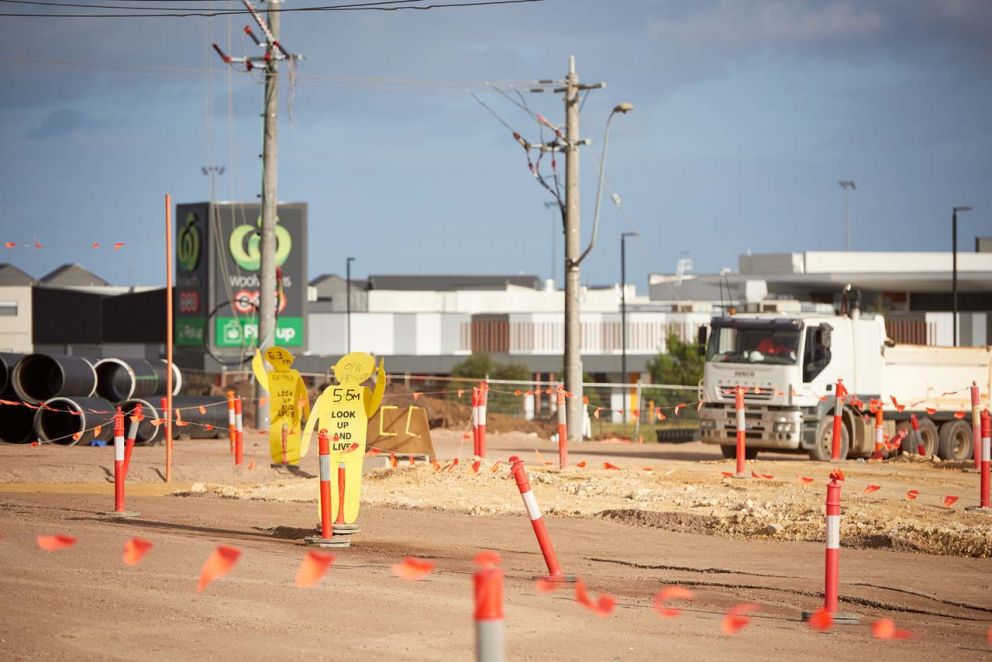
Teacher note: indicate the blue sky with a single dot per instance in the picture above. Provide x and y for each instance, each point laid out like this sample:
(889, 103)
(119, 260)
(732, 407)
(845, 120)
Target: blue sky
(746, 115)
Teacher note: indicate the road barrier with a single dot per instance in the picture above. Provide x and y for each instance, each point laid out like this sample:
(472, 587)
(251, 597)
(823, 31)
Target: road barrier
(489, 629)
(536, 519)
(232, 429)
(326, 538)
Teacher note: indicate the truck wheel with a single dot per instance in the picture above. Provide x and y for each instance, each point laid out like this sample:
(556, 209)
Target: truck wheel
(955, 441)
(824, 440)
(928, 437)
(730, 452)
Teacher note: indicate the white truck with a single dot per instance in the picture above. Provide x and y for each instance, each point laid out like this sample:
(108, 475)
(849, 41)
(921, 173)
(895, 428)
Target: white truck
(788, 366)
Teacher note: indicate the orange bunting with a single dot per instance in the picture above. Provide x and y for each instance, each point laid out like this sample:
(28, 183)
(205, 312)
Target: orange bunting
(950, 501)
(678, 408)
(528, 393)
(135, 550)
(97, 430)
(912, 494)
(959, 414)
(671, 593)
(727, 474)
(661, 416)
(837, 474)
(581, 465)
(898, 406)
(601, 607)
(76, 436)
(885, 628)
(647, 469)
(466, 435)
(352, 448)
(10, 244)
(737, 617)
(207, 426)
(413, 462)
(95, 244)
(118, 245)
(37, 244)
(821, 620)
(595, 413)
(610, 465)
(487, 559)
(872, 488)
(373, 451)
(56, 542)
(218, 565)
(452, 464)
(931, 410)
(392, 460)
(806, 479)
(434, 463)
(181, 423)
(416, 395)
(313, 568)
(203, 410)
(157, 421)
(461, 392)
(475, 466)
(412, 569)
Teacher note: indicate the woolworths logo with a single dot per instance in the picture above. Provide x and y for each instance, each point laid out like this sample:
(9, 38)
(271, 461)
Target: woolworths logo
(244, 246)
(188, 250)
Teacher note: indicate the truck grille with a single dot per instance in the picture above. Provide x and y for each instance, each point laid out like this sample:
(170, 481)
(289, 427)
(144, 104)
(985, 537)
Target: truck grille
(763, 394)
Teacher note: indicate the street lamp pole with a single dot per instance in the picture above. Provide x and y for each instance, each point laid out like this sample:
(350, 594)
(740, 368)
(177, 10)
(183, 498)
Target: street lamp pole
(954, 266)
(623, 316)
(848, 186)
(347, 277)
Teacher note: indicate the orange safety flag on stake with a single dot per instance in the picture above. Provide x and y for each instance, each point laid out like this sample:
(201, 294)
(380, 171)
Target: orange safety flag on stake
(495, 467)
(931, 410)
(217, 565)
(56, 542)
(412, 569)
(313, 568)
(374, 451)
(97, 430)
(135, 550)
(737, 617)
(671, 593)
(95, 244)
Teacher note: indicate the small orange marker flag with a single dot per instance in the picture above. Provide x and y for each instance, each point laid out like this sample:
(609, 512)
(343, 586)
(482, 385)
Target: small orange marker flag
(671, 593)
(872, 488)
(251, 464)
(950, 501)
(56, 542)
(806, 479)
(135, 550)
(737, 617)
(610, 465)
(912, 494)
(475, 466)
(313, 568)
(412, 569)
(581, 465)
(217, 565)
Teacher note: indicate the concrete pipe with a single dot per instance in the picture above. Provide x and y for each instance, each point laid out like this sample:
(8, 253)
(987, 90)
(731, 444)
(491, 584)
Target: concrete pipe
(40, 377)
(214, 415)
(124, 379)
(161, 369)
(147, 433)
(60, 419)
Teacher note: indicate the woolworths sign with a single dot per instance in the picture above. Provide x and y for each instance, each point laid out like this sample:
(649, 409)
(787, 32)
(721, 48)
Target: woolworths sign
(220, 263)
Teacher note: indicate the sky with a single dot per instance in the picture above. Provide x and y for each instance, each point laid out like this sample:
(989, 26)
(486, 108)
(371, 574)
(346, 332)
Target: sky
(746, 115)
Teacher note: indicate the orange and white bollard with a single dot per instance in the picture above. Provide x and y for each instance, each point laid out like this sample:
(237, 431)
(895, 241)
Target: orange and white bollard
(340, 527)
(239, 432)
(232, 430)
(489, 630)
(475, 421)
(483, 403)
(326, 538)
(879, 432)
(132, 435)
(985, 499)
(976, 423)
(838, 420)
(562, 430)
(741, 432)
(536, 519)
(832, 560)
(119, 470)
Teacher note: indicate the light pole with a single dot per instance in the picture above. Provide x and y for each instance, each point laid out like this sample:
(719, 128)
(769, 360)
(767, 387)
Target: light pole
(623, 315)
(347, 278)
(848, 186)
(573, 353)
(954, 266)
(213, 172)
(555, 215)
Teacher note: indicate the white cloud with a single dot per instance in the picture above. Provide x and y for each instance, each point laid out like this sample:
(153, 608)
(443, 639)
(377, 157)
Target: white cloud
(744, 22)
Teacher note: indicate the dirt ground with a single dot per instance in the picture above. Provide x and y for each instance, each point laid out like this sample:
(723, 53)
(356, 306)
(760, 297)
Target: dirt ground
(626, 532)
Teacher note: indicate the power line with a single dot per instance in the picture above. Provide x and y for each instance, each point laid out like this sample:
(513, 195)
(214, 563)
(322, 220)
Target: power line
(211, 14)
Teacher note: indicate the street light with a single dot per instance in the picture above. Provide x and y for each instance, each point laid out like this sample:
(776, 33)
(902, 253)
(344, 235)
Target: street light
(624, 108)
(553, 206)
(623, 315)
(213, 172)
(347, 277)
(848, 186)
(954, 267)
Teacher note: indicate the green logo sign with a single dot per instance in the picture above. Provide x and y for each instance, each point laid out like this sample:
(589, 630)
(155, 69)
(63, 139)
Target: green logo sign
(231, 332)
(189, 331)
(188, 250)
(247, 253)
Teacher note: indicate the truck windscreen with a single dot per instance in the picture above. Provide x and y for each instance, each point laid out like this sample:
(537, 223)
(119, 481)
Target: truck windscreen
(776, 346)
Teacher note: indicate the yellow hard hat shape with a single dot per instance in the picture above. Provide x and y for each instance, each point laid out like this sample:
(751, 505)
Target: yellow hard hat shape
(354, 368)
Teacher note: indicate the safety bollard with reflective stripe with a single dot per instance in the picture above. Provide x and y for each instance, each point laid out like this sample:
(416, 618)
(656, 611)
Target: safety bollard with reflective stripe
(832, 560)
(562, 429)
(741, 432)
(838, 421)
(985, 455)
(239, 432)
(483, 403)
(536, 519)
(118, 461)
(132, 435)
(326, 538)
(232, 430)
(475, 421)
(489, 630)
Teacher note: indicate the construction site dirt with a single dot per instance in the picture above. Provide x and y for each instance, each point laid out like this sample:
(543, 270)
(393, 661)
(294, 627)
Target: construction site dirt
(627, 519)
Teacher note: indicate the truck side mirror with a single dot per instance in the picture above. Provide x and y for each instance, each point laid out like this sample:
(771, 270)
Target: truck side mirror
(701, 336)
(825, 330)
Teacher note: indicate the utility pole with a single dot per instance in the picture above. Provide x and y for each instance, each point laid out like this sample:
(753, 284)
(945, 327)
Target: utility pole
(573, 353)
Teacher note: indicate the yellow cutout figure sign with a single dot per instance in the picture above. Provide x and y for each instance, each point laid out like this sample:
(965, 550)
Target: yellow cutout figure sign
(289, 403)
(344, 411)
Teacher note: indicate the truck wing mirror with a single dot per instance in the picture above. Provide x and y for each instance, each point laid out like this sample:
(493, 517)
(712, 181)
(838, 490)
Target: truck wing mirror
(701, 336)
(825, 330)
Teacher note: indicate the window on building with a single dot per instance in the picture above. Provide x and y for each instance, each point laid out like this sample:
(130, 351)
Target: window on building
(8, 309)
